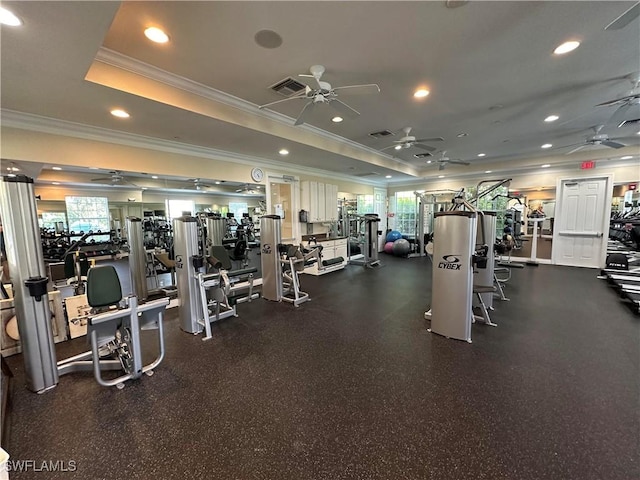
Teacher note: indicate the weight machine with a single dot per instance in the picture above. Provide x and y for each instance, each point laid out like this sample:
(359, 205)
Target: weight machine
(281, 264)
(366, 228)
(113, 332)
(457, 253)
(207, 296)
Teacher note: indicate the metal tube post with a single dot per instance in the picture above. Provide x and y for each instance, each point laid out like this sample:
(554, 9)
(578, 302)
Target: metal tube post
(28, 276)
(137, 259)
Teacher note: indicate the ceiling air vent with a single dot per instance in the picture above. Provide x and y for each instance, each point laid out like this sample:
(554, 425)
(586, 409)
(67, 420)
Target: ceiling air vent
(423, 155)
(368, 174)
(288, 87)
(381, 133)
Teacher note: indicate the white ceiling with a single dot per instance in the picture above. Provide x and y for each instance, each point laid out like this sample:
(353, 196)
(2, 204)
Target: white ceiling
(489, 67)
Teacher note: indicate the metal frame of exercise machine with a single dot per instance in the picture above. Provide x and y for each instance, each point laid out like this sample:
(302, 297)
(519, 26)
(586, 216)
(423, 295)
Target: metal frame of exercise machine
(26, 261)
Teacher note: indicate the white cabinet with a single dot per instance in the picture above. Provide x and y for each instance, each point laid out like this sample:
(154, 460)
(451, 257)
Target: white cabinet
(331, 202)
(331, 249)
(320, 201)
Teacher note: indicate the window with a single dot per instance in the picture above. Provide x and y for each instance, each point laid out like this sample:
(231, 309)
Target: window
(405, 213)
(365, 204)
(88, 214)
(496, 201)
(238, 208)
(50, 219)
(176, 208)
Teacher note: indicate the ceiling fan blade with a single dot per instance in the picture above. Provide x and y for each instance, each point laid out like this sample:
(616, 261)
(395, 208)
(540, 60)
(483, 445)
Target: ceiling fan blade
(619, 116)
(458, 162)
(388, 147)
(628, 113)
(343, 108)
(316, 79)
(612, 144)
(617, 100)
(294, 97)
(429, 148)
(307, 108)
(625, 19)
(358, 89)
(434, 139)
(578, 148)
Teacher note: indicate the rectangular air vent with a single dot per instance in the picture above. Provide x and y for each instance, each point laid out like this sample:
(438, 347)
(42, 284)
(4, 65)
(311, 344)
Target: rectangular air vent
(381, 133)
(422, 155)
(368, 174)
(288, 87)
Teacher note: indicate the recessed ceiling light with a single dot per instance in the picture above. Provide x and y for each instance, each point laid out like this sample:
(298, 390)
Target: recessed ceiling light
(460, 135)
(55, 183)
(428, 161)
(546, 165)
(440, 176)
(482, 154)
(8, 18)
(546, 145)
(156, 35)
(626, 157)
(421, 93)
(398, 147)
(337, 119)
(13, 169)
(566, 47)
(94, 168)
(551, 118)
(56, 168)
(144, 188)
(11, 174)
(155, 177)
(119, 113)
(388, 176)
(217, 182)
(487, 171)
(284, 151)
(638, 133)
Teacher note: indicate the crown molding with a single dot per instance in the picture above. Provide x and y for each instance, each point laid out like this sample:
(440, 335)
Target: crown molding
(37, 123)
(124, 62)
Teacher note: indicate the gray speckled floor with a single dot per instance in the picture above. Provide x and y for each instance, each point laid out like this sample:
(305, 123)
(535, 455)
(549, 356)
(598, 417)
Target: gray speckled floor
(351, 386)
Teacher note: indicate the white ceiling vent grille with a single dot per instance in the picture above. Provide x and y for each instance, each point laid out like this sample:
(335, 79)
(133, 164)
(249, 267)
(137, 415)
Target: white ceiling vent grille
(381, 133)
(287, 87)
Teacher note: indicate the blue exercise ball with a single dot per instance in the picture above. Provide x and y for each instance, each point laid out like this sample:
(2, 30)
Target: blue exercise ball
(393, 235)
(401, 247)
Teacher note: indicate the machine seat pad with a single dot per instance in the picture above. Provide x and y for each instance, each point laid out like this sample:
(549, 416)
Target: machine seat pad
(164, 259)
(332, 261)
(483, 289)
(103, 286)
(220, 253)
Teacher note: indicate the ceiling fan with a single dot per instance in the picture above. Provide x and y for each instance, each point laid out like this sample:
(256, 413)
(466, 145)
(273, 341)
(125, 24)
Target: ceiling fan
(596, 140)
(628, 106)
(198, 184)
(249, 189)
(323, 93)
(409, 141)
(115, 178)
(443, 160)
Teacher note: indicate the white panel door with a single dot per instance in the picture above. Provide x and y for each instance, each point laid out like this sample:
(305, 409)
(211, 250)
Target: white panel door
(380, 208)
(581, 225)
